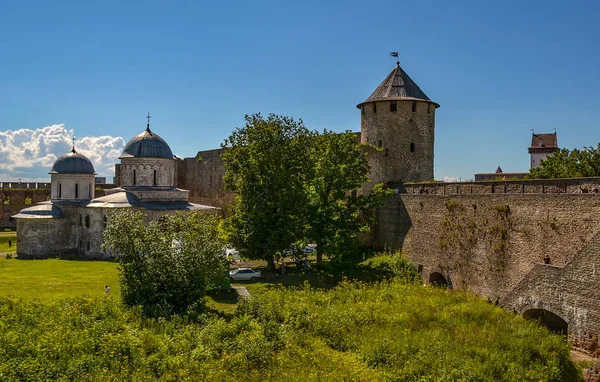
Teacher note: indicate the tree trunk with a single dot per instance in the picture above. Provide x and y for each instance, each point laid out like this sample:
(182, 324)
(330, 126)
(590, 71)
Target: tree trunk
(319, 251)
(270, 263)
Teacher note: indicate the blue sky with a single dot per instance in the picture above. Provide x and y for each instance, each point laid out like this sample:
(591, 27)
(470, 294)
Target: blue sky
(498, 69)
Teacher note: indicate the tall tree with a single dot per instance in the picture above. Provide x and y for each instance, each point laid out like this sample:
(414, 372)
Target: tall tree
(166, 266)
(569, 164)
(338, 210)
(267, 166)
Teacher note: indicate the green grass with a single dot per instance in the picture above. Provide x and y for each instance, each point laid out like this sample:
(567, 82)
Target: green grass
(355, 331)
(4, 237)
(54, 279)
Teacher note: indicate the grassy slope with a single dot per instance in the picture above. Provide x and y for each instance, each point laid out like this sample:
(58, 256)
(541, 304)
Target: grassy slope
(56, 279)
(4, 236)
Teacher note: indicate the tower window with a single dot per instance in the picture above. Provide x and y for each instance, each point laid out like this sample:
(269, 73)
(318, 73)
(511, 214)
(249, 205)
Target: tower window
(134, 177)
(393, 106)
(59, 190)
(87, 221)
(76, 190)
(412, 147)
(374, 107)
(362, 109)
(414, 106)
(154, 182)
(428, 108)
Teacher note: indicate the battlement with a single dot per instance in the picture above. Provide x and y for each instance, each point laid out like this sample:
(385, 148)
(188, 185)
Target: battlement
(531, 186)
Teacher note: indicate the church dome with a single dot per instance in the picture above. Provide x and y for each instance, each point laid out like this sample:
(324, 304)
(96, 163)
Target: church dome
(147, 145)
(73, 163)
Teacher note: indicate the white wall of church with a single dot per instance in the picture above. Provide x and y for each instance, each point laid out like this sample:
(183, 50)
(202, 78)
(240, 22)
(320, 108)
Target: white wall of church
(147, 172)
(72, 187)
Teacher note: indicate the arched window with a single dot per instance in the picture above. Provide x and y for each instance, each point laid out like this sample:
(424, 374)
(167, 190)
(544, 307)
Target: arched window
(412, 147)
(134, 177)
(154, 182)
(76, 190)
(59, 190)
(87, 221)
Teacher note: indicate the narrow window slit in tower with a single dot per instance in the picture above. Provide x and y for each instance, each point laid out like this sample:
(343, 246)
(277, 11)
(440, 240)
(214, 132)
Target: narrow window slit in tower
(428, 108)
(154, 182)
(393, 106)
(134, 177)
(374, 107)
(412, 147)
(414, 106)
(76, 190)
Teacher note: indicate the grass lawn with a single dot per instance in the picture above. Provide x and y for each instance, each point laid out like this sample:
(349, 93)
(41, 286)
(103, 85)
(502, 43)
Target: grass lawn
(4, 236)
(53, 279)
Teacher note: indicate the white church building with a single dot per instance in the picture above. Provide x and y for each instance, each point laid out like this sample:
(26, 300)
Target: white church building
(71, 223)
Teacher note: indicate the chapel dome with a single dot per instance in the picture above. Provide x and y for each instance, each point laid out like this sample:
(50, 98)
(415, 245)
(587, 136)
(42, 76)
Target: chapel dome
(73, 163)
(147, 145)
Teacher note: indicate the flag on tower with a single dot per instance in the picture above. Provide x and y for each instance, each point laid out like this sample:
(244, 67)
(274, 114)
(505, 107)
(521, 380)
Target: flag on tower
(394, 54)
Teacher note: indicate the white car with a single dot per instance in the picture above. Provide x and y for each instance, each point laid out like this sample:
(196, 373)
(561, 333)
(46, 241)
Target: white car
(242, 274)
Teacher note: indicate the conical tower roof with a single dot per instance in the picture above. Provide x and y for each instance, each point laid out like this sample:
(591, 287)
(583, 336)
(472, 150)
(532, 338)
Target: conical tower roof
(398, 86)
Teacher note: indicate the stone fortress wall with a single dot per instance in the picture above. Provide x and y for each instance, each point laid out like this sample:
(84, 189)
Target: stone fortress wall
(491, 238)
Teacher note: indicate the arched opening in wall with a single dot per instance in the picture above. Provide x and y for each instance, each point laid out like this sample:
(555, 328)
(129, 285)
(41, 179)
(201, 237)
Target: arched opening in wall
(59, 190)
(87, 221)
(412, 147)
(76, 190)
(437, 279)
(379, 143)
(551, 321)
(154, 179)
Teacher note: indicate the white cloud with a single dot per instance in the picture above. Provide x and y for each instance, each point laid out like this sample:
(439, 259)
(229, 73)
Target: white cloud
(29, 154)
(450, 179)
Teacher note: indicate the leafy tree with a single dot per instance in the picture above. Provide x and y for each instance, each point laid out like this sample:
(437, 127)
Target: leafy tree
(569, 164)
(166, 266)
(267, 166)
(338, 211)
(296, 185)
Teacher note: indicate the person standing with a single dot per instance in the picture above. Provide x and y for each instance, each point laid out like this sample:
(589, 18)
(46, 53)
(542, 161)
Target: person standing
(106, 290)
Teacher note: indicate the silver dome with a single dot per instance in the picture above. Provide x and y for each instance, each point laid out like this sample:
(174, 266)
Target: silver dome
(147, 145)
(73, 163)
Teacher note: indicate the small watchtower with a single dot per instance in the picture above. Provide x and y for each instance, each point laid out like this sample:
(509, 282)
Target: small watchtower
(542, 146)
(399, 120)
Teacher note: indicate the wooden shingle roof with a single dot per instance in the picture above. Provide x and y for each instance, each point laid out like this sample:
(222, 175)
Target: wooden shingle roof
(398, 86)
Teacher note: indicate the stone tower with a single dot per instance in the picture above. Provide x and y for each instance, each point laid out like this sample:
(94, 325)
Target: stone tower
(72, 178)
(398, 120)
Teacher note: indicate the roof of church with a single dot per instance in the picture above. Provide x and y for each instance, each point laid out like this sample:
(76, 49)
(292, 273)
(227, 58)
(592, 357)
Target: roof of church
(44, 210)
(73, 163)
(544, 140)
(124, 199)
(147, 145)
(398, 86)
